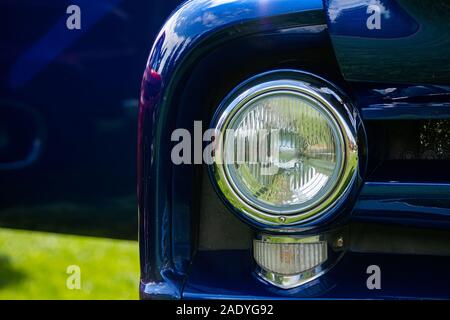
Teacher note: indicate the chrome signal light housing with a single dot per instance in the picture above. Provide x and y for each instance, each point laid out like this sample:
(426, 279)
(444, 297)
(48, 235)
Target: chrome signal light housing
(291, 261)
(286, 149)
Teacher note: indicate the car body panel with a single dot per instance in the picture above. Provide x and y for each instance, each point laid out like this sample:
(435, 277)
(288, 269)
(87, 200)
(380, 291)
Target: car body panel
(188, 52)
(410, 46)
(183, 39)
(234, 278)
(74, 96)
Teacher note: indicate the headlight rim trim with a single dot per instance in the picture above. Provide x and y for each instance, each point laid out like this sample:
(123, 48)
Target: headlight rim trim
(328, 97)
(272, 90)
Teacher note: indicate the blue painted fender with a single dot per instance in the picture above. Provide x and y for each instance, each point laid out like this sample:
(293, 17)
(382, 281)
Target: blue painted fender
(195, 29)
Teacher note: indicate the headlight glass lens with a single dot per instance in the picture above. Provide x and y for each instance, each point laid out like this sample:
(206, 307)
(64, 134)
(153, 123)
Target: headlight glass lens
(283, 154)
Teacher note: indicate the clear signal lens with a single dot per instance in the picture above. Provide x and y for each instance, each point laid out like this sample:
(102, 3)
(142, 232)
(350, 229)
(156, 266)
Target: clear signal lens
(289, 258)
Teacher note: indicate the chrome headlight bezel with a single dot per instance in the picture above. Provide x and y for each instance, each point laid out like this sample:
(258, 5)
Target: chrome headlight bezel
(330, 103)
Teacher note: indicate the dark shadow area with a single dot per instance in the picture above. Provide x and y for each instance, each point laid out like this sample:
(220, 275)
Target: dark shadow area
(106, 218)
(8, 274)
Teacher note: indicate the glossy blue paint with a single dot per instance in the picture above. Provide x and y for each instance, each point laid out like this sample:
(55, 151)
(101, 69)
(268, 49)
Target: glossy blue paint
(229, 275)
(38, 57)
(207, 40)
(349, 18)
(418, 204)
(411, 45)
(68, 107)
(402, 102)
(192, 32)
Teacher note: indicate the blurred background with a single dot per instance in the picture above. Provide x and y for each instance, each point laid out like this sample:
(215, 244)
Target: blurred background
(68, 111)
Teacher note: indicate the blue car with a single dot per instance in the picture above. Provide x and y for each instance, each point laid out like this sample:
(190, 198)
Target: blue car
(296, 150)
(68, 108)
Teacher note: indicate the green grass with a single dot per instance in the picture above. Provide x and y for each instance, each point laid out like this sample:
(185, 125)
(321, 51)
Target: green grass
(33, 265)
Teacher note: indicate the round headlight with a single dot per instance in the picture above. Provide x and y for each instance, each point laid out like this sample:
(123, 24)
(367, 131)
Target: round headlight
(291, 152)
(284, 152)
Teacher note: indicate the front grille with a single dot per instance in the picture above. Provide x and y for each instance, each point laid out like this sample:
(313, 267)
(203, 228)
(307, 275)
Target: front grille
(408, 150)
